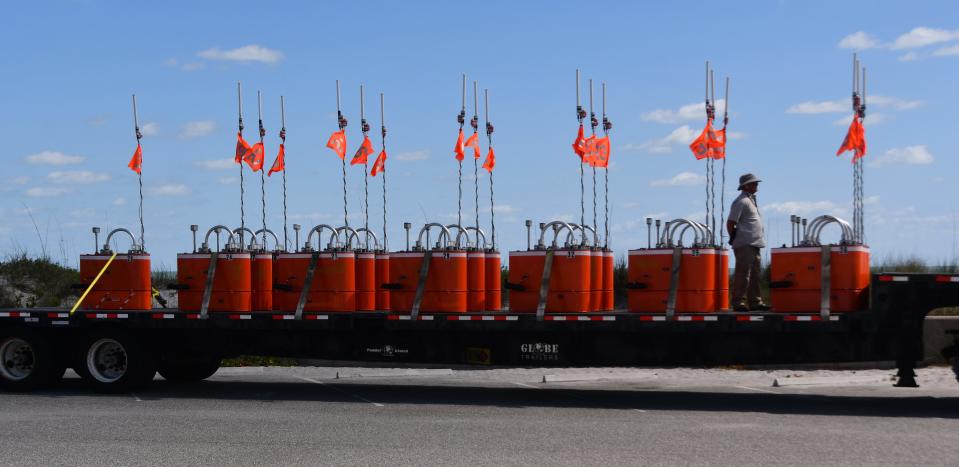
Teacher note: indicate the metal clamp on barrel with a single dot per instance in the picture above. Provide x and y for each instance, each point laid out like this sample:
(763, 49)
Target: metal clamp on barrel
(811, 238)
(425, 265)
(211, 270)
(557, 226)
(311, 269)
(701, 234)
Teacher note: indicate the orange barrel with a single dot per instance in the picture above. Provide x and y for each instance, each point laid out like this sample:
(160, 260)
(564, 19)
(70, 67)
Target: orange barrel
(333, 288)
(494, 279)
(596, 279)
(446, 285)
(608, 302)
(125, 285)
(262, 282)
(365, 281)
(476, 281)
(382, 278)
(231, 288)
(795, 274)
(722, 279)
(568, 285)
(649, 274)
(404, 274)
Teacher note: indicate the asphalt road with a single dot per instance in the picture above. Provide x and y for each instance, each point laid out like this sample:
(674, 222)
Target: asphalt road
(305, 416)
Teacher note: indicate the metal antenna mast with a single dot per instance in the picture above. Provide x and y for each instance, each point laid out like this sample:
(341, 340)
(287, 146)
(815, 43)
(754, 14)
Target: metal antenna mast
(580, 115)
(365, 127)
(259, 110)
(239, 111)
(136, 129)
(607, 125)
(383, 133)
(461, 119)
(341, 123)
(474, 122)
(489, 137)
(286, 235)
(722, 187)
(593, 123)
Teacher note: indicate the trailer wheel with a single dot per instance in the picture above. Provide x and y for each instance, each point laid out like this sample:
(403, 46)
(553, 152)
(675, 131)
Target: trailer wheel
(188, 371)
(116, 362)
(27, 362)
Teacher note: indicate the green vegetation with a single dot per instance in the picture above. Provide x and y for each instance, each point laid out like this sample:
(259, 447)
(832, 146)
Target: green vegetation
(35, 282)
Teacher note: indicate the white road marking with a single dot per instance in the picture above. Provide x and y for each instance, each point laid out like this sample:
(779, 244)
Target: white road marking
(355, 396)
(525, 385)
(135, 397)
(640, 410)
(757, 389)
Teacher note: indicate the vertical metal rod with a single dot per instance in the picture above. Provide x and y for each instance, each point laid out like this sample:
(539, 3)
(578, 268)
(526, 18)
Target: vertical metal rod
(854, 84)
(239, 106)
(707, 82)
(476, 160)
(864, 89)
(492, 204)
(649, 232)
(577, 88)
(592, 124)
(259, 110)
(286, 234)
(464, 93)
(459, 163)
(342, 127)
(383, 132)
(136, 131)
(337, 96)
(366, 172)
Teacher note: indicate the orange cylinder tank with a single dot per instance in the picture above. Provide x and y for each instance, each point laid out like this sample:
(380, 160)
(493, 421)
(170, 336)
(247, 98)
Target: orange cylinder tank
(796, 273)
(382, 278)
(231, 287)
(649, 277)
(608, 301)
(596, 279)
(125, 285)
(722, 279)
(333, 288)
(261, 275)
(476, 281)
(569, 289)
(365, 281)
(494, 280)
(445, 290)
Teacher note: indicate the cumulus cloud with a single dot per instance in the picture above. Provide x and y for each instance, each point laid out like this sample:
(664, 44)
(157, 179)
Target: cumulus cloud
(119, 201)
(46, 192)
(78, 177)
(149, 129)
(923, 36)
(246, 54)
(695, 111)
(420, 155)
(172, 189)
(505, 209)
(858, 40)
(909, 57)
(872, 119)
(197, 129)
(803, 208)
(54, 158)
(950, 50)
(680, 136)
(844, 105)
(681, 179)
(909, 155)
(227, 180)
(22, 180)
(216, 164)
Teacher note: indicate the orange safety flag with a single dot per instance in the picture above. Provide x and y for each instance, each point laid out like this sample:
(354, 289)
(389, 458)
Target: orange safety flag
(136, 162)
(855, 139)
(474, 142)
(242, 147)
(589, 157)
(364, 150)
(459, 148)
(337, 143)
(579, 145)
(490, 161)
(379, 165)
(718, 148)
(704, 145)
(601, 152)
(279, 164)
(254, 158)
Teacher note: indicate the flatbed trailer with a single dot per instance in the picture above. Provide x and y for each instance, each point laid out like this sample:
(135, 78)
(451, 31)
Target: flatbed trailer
(119, 350)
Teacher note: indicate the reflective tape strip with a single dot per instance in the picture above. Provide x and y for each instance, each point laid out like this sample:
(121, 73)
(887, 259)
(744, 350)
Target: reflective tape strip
(888, 278)
(808, 318)
(58, 315)
(193, 316)
(283, 317)
(316, 317)
(482, 318)
(749, 318)
(14, 314)
(652, 318)
(108, 315)
(947, 278)
(695, 318)
(409, 318)
(240, 317)
(59, 323)
(163, 316)
(579, 318)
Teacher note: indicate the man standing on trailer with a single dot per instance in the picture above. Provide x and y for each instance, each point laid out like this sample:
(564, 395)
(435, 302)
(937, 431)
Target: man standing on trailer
(745, 227)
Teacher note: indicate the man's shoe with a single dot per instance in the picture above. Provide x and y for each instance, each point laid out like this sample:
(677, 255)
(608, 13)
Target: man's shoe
(760, 307)
(741, 308)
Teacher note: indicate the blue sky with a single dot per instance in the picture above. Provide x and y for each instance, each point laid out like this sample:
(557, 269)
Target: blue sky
(71, 67)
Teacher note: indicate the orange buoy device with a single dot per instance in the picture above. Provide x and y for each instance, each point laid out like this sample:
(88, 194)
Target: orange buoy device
(494, 279)
(608, 300)
(262, 281)
(722, 279)
(124, 285)
(230, 283)
(331, 275)
(476, 280)
(382, 280)
(796, 273)
(445, 286)
(596, 279)
(365, 280)
(568, 279)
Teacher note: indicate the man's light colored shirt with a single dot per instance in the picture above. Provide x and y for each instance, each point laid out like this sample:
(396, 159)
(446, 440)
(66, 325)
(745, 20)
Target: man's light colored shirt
(749, 224)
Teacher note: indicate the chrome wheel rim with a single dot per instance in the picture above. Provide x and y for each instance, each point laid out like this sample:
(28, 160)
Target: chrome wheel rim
(107, 360)
(17, 359)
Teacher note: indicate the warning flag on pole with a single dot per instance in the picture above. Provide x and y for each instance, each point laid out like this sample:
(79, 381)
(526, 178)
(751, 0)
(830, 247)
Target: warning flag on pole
(589, 155)
(254, 158)
(718, 146)
(855, 139)
(136, 162)
(579, 145)
(242, 147)
(337, 143)
(601, 152)
(490, 161)
(474, 142)
(380, 164)
(279, 164)
(459, 149)
(363, 152)
(703, 146)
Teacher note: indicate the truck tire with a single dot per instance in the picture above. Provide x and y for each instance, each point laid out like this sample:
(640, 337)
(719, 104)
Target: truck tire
(114, 362)
(188, 371)
(28, 362)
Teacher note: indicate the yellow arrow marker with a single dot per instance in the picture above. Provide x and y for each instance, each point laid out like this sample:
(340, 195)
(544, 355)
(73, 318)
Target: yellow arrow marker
(90, 287)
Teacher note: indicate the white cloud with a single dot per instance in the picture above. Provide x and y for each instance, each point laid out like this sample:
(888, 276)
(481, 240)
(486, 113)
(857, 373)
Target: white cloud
(119, 201)
(872, 119)
(227, 180)
(505, 209)
(908, 57)
(79, 177)
(83, 212)
(420, 155)
(894, 102)
(149, 129)
(820, 107)
(193, 66)
(54, 158)
(696, 111)
(308, 216)
(22, 180)
(858, 41)
(923, 36)
(98, 120)
(950, 50)
(172, 189)
(681, 136)
(909, 155)
(804, 208)
(247, 53)
(216, 164)
(46, 192)
(197, 129)
(682, 179)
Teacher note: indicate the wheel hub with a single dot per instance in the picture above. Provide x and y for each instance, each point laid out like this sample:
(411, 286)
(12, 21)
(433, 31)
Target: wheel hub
(17, 360)
(107, 360)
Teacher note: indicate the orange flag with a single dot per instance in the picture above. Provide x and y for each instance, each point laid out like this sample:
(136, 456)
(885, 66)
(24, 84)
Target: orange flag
(718, 147)
(242, 147)
(254, 158)
(490, 161)
(855, 139)
(474, 142)
(136, 162)
(364, 150)
(380, 164)
(459, 149)
(702, 146)
(579, 145)
(337, 143)
(601, 157)
(279, 164)
(589, 155)
(861, 150)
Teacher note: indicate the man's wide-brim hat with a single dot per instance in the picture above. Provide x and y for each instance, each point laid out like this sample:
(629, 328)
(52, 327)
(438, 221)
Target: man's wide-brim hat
(747, 179)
